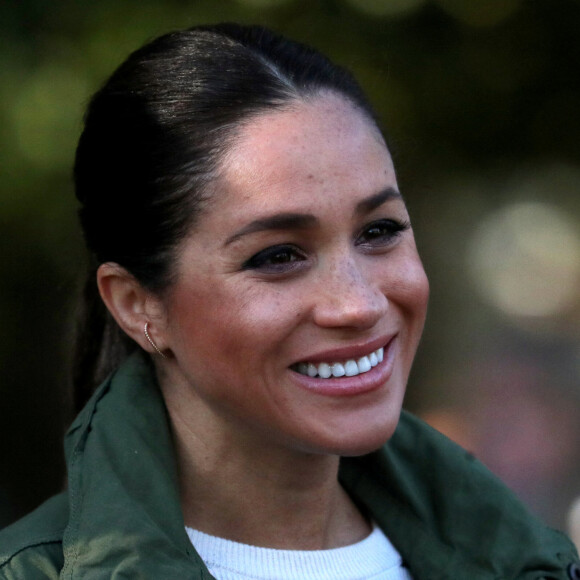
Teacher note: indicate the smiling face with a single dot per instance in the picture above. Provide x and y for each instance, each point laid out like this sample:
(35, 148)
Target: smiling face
(302, 266)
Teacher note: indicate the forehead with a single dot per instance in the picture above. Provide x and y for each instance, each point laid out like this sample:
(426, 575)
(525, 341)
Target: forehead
(325, 139)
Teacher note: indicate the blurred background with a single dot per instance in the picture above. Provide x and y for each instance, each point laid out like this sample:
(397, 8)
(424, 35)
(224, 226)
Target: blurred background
(481, 103)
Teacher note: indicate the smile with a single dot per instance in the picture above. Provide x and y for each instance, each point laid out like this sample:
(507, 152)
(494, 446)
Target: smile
(349, 368)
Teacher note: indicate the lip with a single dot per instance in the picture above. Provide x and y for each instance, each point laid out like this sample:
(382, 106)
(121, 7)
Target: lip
(350, 386)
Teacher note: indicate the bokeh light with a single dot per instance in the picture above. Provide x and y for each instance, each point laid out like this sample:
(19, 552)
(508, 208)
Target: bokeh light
(525, 259)
(44, 120)
(574, 522)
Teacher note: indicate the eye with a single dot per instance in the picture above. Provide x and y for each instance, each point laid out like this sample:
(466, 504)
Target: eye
(276, 260)
(381, 233)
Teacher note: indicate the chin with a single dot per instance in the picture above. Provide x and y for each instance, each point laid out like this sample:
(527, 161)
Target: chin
(354, 442)
(359, 448)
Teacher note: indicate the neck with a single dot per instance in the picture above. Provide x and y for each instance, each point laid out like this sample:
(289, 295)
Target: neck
(261, 495)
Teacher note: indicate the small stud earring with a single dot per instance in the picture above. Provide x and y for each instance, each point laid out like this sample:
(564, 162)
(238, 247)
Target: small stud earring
(151, 342)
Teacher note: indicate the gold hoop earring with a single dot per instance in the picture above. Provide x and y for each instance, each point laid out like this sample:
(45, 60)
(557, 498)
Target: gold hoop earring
(151, 342)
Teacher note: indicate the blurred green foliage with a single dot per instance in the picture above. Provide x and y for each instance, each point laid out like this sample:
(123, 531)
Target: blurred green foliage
(476, 98)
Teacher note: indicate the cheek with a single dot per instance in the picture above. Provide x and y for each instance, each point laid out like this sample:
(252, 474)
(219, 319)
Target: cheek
(230, 321)
(419, 287)
(230, 345)
(409, 286)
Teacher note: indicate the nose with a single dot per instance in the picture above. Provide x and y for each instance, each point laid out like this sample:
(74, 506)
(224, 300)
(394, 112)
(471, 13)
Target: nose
(347, 295)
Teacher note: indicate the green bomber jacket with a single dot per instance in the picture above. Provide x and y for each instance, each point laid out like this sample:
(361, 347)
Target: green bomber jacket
(120, 516)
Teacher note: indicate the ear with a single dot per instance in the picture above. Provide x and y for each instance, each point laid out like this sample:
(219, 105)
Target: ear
(131, 305)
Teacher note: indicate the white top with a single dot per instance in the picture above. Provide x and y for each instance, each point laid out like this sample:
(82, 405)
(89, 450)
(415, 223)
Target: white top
(373, 558)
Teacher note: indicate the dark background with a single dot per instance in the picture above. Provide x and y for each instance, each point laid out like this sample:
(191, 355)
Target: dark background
(481, 101)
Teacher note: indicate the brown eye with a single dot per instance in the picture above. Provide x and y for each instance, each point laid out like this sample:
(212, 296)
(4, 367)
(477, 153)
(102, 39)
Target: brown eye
(276, 259)
(382, 232)
(282, 257)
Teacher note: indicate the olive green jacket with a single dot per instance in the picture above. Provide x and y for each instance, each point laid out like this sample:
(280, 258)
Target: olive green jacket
(121, 517)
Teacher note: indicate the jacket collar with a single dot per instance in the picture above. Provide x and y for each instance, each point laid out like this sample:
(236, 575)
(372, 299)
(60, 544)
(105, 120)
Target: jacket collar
(125, 517)
(448, 516)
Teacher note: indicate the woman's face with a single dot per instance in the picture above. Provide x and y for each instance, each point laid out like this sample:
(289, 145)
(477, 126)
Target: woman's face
(303, 265)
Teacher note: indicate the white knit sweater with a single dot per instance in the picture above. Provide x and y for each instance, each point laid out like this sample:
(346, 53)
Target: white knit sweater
(373, 558)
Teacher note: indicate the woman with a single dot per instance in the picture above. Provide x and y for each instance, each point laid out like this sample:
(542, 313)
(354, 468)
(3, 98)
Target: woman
(248, 234)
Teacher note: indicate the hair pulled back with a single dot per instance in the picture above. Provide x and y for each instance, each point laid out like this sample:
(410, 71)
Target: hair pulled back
(152, 143)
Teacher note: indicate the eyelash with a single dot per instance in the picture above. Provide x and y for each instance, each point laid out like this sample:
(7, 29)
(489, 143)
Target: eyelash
(268, 259)
(265, 260)
(391, 229)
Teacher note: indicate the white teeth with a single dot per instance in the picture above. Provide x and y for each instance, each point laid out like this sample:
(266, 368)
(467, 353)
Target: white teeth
(350, 368)
(324, 370)
(364, 364)
(338, 370)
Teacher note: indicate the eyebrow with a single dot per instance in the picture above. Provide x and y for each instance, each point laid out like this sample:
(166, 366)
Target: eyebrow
(280, 221)
(374, 201)
(300, 221)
